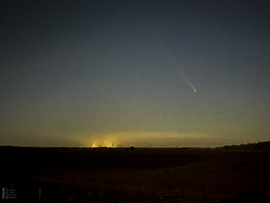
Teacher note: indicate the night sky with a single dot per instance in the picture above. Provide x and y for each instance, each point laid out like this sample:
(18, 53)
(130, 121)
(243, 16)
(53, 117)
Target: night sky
(186, 73)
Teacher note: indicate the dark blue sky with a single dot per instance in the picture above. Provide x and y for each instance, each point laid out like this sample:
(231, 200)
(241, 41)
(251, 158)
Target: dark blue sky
(134, 72)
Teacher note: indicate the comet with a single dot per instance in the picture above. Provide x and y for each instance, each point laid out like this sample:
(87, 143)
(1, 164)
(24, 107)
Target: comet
(188, 80)
(180, 69)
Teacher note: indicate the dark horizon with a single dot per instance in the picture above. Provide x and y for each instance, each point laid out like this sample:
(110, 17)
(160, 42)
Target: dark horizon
(264, 145)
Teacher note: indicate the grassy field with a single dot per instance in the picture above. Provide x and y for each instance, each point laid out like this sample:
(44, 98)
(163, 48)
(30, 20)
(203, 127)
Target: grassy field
(139, 175)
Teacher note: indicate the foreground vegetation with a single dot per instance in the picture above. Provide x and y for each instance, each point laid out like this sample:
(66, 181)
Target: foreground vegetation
(136, 175)
(261, 146)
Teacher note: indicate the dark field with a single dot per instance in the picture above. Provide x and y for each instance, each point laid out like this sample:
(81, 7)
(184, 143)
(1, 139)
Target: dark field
(139, 175)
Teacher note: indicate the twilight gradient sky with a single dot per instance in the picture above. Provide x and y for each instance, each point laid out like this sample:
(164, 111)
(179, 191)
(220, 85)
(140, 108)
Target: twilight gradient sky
(186, 73)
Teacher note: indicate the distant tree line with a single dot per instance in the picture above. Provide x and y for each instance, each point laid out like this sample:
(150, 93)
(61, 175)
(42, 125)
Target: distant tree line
(262, 146)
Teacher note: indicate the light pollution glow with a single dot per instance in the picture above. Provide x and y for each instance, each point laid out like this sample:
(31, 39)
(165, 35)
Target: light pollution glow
(153, 139)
